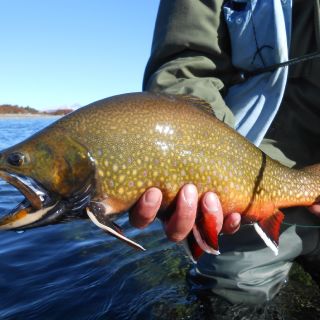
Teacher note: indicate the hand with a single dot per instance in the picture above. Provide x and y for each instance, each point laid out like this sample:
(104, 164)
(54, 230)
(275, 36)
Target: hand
(182, 220)
(315, 209)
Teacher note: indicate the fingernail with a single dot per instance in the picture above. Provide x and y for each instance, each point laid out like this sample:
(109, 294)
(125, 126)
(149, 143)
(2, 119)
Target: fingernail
(189, 194)
(151, 197)
(211, 202)
(235, 224)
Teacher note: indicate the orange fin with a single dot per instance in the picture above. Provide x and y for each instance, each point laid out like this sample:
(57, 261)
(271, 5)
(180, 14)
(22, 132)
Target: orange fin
(269, 230)
(205, 233)
(192, 248)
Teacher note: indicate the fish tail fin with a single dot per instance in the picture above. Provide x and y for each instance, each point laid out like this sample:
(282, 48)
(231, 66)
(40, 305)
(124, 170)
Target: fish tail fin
(269, 230)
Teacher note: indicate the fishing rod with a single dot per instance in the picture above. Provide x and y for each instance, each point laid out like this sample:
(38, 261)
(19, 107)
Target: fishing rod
(244, 74)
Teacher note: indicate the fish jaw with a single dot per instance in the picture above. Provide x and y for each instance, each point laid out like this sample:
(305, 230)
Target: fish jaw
(23, 217)
(26, 186)
(38, 208)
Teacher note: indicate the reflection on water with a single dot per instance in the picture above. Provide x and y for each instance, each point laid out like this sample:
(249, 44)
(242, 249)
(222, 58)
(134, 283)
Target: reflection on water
(76, 271)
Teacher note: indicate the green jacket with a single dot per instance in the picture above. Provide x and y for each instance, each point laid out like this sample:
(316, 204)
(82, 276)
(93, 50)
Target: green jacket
(191, 55)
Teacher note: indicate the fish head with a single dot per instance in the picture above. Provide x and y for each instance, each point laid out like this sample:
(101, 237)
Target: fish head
(54, 173)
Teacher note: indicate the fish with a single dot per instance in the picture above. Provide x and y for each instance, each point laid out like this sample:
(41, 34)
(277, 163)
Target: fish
(97, 161)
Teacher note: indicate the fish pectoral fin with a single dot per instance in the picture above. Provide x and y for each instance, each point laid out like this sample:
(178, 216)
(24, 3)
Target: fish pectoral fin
(269, 229)
(205, 233)
(113, 229)
(116, 227)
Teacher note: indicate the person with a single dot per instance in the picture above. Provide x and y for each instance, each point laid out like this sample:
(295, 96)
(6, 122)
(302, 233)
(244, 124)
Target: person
(199, 49)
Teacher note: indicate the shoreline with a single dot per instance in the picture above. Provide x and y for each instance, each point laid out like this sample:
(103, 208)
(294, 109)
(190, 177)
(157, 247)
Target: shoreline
(27, 115)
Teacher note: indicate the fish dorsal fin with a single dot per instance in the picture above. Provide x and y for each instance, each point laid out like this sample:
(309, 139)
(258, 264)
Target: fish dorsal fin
(198, 103)
(113, 229)
(269, 230)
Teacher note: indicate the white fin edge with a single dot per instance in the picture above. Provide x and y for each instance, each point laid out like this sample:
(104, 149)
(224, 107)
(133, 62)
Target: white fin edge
(266, 239)
(113, 232)
(188, 251)
(202, 244)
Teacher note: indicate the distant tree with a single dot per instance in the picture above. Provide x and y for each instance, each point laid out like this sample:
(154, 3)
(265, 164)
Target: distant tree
(8, 108)
(31, 110)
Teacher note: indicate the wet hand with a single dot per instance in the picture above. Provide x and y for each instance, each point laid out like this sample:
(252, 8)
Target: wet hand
(182, 220)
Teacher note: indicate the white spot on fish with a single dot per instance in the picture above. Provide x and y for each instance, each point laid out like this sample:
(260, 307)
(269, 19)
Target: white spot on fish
(163, 145)
(164, 129)
(185, 152)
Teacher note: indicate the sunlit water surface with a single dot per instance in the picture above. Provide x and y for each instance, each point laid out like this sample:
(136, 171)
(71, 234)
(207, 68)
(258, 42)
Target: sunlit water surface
(76, 271)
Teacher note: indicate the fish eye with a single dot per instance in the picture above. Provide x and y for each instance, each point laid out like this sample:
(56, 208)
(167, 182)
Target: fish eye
(16, 159)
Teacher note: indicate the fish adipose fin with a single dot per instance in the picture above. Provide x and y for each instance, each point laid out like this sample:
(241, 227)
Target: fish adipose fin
(269, 230)
(110, 227)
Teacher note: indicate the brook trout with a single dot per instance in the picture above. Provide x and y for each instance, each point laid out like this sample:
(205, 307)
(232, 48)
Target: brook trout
(99, 160)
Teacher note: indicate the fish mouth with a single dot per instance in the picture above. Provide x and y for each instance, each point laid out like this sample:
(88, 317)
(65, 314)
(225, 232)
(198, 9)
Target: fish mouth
(37, 209)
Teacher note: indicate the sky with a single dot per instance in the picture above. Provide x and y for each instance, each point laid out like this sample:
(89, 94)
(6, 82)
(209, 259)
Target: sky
(68, 53)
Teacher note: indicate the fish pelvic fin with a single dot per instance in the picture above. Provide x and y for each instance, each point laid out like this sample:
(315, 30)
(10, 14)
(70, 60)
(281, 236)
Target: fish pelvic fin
(205, 234)
(269, 229)
(192, 247)
(111, 228)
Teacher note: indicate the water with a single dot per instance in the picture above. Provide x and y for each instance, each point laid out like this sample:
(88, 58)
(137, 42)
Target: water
(76, 271)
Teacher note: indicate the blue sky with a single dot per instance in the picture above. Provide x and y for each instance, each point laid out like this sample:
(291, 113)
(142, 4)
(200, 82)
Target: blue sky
(66, 53)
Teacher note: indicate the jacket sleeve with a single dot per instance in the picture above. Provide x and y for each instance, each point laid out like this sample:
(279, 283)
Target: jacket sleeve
(191, 53)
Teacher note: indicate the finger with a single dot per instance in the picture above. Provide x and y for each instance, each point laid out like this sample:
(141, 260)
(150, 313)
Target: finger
(211, 205)
(315, 209)
(145, 210)
(231, 223)
(182, 220)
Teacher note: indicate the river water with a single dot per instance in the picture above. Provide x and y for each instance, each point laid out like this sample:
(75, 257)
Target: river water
(76, 271)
